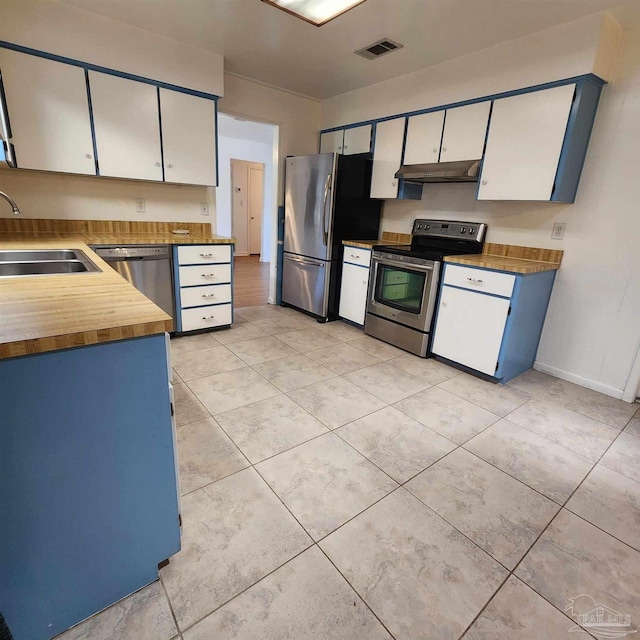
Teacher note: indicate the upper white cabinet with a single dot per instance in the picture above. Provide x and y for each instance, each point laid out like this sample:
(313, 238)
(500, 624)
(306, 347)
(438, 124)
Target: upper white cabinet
(525, 140)
(424, 133)
(49, 113)
(458, 135)
(127, 127)
(347, 141)
(188, 138)
(386, 158)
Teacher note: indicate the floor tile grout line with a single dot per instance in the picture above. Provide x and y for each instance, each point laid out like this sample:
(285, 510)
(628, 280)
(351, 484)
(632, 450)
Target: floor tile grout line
(166, 595)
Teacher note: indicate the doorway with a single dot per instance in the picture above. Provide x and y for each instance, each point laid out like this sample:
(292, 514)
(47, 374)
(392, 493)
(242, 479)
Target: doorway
(247, 204)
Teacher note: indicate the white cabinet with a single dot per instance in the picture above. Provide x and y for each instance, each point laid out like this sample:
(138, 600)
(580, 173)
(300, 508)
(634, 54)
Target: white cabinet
(524, 144)
(386, 158)
(188, 138)
(125, 115)
(355, 284)
(424, 133)
(458, 135)
(347, 141)
(204, 290)
(48, 109)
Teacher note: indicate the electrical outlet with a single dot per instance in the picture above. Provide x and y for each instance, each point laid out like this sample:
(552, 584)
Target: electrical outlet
(204, 209)
(141, 206)
(558, 230)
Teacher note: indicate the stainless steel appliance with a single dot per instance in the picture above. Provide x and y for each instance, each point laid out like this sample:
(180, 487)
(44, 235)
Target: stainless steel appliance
(403, 285)
(460, 171)
(326, 201)
(147, 267)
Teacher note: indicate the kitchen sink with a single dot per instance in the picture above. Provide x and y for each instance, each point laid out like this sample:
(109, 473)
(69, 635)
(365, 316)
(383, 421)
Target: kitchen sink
(43, 262)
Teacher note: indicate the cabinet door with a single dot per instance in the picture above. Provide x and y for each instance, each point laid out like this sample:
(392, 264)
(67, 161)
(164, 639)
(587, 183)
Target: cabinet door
(331, 142)
(465, 130)
(357, 140)
(470, 328)
(424, 133)
(188, 138)
(127, 125)
(525, 139)
(49, 113)
(386, 158)
(353, 294)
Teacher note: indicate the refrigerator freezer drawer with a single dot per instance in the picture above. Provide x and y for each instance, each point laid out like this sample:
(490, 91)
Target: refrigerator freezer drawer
(305, 283)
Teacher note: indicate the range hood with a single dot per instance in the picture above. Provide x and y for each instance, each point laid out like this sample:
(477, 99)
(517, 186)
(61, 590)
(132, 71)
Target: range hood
(463, 171)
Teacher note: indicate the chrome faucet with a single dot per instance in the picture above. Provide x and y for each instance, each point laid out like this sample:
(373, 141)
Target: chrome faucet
(12, 202)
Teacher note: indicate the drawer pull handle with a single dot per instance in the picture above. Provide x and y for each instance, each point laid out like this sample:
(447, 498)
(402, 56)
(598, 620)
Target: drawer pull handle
(208, 275)
(474, 280)
(208, 295)
(206, 255)
(355, 255)
(206, 318)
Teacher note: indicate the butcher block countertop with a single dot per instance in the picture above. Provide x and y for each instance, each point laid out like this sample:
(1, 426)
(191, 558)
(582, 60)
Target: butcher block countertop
(512, 258)
(51, 312)
(369, 244)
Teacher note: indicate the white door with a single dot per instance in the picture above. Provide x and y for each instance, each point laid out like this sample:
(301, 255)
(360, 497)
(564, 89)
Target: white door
(524, 144)
(470, 328)
(256, 200)
(357, 140)
(331, 142)
(386, 158)
(188, 138)
(127, 125)
(49, 112)
(353, 293)
(465, 130)
(239, 207)
(424, 133)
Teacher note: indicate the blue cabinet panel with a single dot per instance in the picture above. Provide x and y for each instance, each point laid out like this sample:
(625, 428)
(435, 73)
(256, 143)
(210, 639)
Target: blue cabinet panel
(87, 481)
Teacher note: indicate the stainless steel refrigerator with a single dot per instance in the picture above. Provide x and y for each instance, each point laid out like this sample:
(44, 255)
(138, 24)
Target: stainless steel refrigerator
(326, 201)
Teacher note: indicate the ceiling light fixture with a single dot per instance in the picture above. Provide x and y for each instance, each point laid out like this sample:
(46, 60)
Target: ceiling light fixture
(317, 12)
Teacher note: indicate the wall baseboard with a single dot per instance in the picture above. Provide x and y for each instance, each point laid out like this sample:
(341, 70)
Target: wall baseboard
(576, 379)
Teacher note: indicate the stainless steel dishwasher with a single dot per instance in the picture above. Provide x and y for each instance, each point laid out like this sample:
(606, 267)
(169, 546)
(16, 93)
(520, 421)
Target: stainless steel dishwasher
(147, 267)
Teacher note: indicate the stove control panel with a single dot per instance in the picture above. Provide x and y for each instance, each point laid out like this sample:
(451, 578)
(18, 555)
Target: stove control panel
(450, 229)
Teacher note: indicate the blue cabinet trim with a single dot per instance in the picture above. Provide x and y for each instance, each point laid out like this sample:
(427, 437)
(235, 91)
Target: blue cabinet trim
(176, 287)
(590, 77)
(114, 72)
(92, 123)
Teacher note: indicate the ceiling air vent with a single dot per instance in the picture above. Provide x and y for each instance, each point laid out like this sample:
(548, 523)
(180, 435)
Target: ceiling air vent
(378, 49)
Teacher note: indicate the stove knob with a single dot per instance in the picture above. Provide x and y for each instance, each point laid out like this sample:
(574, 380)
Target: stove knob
(418, 226)
(427, 227)
(463, 230)
(472, 231)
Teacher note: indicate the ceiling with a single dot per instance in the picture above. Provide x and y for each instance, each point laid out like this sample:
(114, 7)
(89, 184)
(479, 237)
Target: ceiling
(263, 43)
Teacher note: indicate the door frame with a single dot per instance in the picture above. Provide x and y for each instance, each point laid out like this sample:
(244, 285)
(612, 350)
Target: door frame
(632, 389)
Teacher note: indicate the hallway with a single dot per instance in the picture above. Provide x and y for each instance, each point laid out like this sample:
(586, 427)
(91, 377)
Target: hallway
(250, 281)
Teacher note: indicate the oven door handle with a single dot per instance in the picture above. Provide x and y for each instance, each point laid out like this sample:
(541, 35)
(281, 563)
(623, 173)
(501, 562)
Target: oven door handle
(414, 267)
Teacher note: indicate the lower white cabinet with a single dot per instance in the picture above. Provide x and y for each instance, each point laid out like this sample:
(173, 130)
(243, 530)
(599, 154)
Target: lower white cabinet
(491, 321)
(204, 289)
(355, 284)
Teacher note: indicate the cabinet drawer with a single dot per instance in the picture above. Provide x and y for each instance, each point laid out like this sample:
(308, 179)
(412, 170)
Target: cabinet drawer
(205, 317)
(201, 254)
(499, 284)
(205, 274)
(360, 257)
(199, 296)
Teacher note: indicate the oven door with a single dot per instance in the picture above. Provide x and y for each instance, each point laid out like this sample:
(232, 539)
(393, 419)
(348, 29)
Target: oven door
(403, 292)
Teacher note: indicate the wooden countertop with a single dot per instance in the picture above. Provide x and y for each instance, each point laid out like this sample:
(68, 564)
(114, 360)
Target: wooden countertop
(47, 313)
(369, 244)
(117, 237)
(512, 258)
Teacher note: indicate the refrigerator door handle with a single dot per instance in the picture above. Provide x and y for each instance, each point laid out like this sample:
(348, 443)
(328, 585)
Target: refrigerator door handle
(325, 231)
(305, 261)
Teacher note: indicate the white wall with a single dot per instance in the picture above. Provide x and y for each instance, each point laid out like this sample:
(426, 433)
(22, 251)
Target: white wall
(592, 331)
(245, 148)
(64, 30)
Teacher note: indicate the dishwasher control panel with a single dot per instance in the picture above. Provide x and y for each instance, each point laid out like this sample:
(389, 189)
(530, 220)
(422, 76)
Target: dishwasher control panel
(122, 253)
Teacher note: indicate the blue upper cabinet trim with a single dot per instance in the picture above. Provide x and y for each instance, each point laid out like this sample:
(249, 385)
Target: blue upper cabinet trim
(92, 123)
(114, 72)
(576, 141)
(590, 77)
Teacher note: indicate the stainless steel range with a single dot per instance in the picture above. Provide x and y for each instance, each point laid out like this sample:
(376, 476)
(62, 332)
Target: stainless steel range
(403, 285)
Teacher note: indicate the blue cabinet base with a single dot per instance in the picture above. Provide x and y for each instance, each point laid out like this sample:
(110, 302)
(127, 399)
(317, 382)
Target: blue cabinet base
(87, 481)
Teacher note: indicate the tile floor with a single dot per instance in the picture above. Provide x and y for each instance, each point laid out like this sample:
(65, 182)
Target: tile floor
(336, 488)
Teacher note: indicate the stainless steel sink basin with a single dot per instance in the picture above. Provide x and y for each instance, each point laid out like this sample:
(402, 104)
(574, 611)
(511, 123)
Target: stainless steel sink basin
(38, 255)
(16, 263)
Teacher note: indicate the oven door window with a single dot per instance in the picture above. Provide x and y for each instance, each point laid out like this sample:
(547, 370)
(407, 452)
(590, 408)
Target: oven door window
(400, 288)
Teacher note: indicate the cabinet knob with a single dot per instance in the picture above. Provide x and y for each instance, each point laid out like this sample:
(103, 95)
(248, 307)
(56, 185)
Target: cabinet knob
(88, 156)
(169, 166)
(205, 318)
(393, 183)
(364, 282)
(435, 150)
(484, 182)
(157, 164)
(444, 149)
